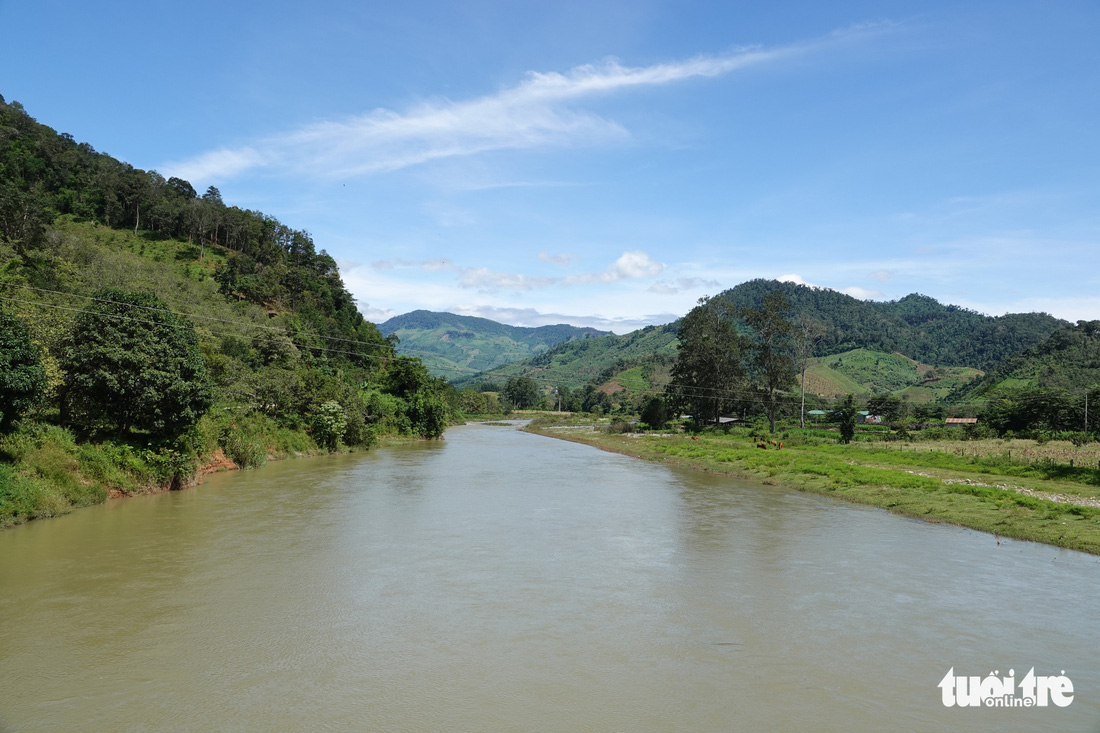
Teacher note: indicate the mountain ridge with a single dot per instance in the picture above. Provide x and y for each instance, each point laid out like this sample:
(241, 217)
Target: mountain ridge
(456, 346)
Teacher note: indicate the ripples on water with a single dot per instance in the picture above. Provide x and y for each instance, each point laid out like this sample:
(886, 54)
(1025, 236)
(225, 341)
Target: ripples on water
(504, 581)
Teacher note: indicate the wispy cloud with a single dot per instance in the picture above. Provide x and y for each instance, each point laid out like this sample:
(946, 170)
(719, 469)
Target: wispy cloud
(629, 265)
(534, 318)
(861, 293)
(681, 284)
(564, 259)
(635, 264)
(542, 110)
(854, 290)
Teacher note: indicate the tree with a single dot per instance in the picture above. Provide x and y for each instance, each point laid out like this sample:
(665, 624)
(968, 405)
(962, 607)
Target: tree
(807, 332)
(564, 397)
(428, 414)
(22, 378)
(654, 414)
(329, 424)
(130, 363)
(708, 361)
(845, 414)
(888, 407)
(522, 392)
(772, 364)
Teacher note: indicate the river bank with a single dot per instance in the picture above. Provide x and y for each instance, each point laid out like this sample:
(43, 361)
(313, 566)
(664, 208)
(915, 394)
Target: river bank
(1055, 505)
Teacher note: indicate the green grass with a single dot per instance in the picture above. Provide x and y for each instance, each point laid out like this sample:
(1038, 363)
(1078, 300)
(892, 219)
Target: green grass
(44, 472)
(862, 371)
(934, 484)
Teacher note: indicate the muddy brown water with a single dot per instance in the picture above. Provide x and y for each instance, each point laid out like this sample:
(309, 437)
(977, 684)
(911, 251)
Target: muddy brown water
(500, 581)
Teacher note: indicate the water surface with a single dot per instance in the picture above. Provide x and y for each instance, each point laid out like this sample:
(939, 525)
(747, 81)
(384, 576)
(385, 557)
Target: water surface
(503, 581)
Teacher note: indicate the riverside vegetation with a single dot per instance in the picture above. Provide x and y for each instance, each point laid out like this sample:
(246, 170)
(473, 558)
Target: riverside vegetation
(1016, 488)
(147, 331)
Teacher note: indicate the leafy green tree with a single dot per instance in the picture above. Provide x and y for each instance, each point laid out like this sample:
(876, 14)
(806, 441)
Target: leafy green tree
(428, 414)
(708, 365)
(845, 415)
(565, 397)
(329, 424)
(22, 378)
(522, 392)
(130, 363)
(773, 363)
(888, 407)
(655, 413)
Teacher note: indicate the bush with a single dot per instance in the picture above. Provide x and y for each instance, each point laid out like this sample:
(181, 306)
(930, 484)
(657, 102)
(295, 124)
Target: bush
(22, 378)
(329, 425)
(247, 451)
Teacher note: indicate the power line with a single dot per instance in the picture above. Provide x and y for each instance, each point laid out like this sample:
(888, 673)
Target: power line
(245, 324)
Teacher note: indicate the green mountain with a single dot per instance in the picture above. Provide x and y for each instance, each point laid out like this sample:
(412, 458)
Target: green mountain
(594, 360)
(866, 372)
(917, 326)
(170, 329)
(1068, 360)
(914, 345)
(456, 347)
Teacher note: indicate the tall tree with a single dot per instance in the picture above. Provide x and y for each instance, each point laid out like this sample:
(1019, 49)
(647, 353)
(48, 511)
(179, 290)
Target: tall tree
(522, 392)
(708, 367)
(807, 332)
(772, 365)
(130, 363)
(22, 378)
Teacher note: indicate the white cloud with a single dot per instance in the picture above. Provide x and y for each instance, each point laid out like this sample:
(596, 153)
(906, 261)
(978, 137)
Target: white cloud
(634, 264)
(683, 283)
(533, 318)
(862, 293)
(217, 165)
(629, 265)
(881, 275)
(540, 111)
(484, 279)
(563, 259)
(376, 315)
(796, 279)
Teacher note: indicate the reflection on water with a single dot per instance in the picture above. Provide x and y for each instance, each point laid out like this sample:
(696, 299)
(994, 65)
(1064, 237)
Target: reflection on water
(503, 581)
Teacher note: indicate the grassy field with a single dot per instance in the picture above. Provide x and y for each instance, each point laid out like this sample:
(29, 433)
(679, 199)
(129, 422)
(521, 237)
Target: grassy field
(862, 371)
(1032, 494)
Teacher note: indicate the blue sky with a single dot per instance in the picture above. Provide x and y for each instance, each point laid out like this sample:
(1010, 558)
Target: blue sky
(607, 164)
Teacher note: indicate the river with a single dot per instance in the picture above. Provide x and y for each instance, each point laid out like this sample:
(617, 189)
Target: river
(501, 581)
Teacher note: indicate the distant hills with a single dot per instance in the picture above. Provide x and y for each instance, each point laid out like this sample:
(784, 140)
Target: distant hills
(458, 347)
(592, 360)
(1069, 360)
(917, 326)
(914, 345)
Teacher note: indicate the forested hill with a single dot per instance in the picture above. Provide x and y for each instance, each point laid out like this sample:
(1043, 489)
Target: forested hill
(917, 326)
(1067, 361)
(145, 328)
(454, 346)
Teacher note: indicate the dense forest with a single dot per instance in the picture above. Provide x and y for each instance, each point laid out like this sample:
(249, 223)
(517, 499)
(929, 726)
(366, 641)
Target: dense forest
(917, 326)
(147, 328)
